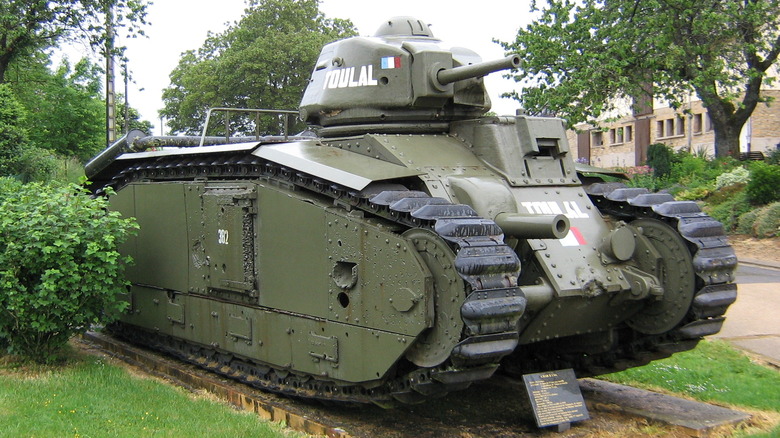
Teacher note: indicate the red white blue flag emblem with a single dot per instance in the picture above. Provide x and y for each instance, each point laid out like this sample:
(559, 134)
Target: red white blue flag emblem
(391, 62)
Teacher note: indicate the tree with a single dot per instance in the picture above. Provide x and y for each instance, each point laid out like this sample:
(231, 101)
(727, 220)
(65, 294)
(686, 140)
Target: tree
(263, 61)
(64, 108)
(64, 105)
(29, 25)
(581, 55)
(13, 134)
(19, 158)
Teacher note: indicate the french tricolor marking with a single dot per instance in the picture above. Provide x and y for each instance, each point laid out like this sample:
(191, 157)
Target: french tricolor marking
(389, 62)
(573, 238)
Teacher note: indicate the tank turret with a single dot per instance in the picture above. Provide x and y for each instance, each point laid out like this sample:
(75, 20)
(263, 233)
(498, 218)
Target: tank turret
(401, 76)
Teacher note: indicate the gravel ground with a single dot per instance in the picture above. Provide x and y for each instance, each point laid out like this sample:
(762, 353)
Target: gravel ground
(748, 247)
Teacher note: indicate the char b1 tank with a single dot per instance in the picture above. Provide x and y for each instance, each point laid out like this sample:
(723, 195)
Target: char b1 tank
(406, 245)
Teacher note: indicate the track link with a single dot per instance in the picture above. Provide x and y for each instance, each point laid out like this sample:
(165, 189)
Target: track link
(714, 261)
(491, 310)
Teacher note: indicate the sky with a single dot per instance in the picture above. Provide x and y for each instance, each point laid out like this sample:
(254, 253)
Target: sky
(181, 25)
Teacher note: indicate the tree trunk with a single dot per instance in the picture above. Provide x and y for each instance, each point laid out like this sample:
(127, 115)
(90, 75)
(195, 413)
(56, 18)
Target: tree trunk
(727, 139)
(4, 62)
(727, 119)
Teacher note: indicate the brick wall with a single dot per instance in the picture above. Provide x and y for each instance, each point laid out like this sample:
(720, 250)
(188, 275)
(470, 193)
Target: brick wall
(690, 130)
(765, 124)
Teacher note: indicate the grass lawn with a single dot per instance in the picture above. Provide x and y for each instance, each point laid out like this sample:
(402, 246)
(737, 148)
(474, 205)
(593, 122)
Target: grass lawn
(91, 398)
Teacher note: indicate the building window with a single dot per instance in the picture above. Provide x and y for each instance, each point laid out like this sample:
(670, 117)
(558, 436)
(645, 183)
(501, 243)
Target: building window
(697, 123)
(621, 135)
(616, 136)
(598, 138)
(709, 123)
(667, 128)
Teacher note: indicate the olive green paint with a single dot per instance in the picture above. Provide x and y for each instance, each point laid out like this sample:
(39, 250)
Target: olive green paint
(285, 260)
(297, 315)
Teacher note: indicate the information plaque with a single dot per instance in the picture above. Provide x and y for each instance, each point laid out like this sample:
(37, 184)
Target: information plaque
(555, 397)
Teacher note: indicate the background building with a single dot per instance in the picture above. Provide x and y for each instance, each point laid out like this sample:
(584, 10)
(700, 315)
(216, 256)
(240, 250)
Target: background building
(623, 141)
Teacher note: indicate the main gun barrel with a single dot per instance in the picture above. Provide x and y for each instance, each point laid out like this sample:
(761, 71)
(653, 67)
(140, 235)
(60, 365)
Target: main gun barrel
(543, 226)
(477, 70)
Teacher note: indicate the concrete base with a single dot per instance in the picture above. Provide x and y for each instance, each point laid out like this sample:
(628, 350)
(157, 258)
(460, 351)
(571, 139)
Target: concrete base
(696, 418)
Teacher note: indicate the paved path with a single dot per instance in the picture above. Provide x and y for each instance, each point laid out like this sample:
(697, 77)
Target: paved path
(753, 321)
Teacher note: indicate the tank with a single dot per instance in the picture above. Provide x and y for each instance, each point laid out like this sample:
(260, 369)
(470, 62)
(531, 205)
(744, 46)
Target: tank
(405, 246)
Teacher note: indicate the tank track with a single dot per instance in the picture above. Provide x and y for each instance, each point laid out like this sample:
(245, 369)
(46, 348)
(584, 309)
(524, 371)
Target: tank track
(492, 307)
(714, 263)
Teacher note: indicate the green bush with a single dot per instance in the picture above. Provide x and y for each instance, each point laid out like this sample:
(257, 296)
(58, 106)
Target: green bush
(18, 158)
(767, 223)
(740, 175)
(764, 185)
(691, 171)
(729, 210)
(659, 157)
(745, 222)
(13, 134)
(694, 194)
(725, 194)
(773, 157)
(685, 175)
(646, 181)
(36, 164)
(69, 170)
(60, 270)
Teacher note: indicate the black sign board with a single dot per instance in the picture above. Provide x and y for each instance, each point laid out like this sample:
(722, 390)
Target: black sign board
(555, 397)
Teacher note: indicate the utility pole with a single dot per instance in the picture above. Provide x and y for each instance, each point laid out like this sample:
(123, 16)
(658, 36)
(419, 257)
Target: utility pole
(110, 94)
(127, 103)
